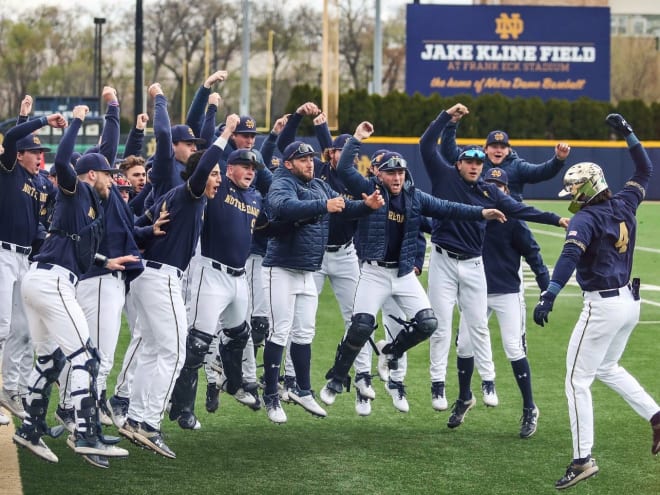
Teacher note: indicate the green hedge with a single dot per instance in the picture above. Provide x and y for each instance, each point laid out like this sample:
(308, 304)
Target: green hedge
(398, 114)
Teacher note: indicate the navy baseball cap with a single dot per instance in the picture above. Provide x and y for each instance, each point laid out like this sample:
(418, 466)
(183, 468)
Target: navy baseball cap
(392, 161)
(247, 125)
(339, 142)
(472, 153)
(30, 143)
(377, 157)
(93, 161)
(245, 156)
(183, 132)
(498, 175)
(298, 149)
(497, 137)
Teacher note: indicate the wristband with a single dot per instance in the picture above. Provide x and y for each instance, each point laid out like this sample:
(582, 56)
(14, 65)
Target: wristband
(100, 260)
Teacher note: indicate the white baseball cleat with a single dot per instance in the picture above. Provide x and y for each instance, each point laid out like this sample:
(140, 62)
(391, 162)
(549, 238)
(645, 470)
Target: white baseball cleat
(305, 398)
(397, 391)
(11, 400)
(490, 395)
(38, 448)
(362, 404)
(274, 410)
(363, 384)
(438, 398)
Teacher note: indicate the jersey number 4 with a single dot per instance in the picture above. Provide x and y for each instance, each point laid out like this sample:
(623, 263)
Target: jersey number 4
(624, 238)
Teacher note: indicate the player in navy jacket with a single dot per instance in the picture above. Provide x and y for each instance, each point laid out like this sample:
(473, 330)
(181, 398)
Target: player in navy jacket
(300, 204)
(387, 248)
(599, 247)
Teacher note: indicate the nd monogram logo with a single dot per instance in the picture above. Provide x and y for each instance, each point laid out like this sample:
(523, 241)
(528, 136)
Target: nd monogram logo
(509, 26)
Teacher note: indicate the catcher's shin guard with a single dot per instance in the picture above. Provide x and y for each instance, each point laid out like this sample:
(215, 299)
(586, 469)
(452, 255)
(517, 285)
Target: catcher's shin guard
(185, 388)
(362, 326)
(231, 354)
(414, 331)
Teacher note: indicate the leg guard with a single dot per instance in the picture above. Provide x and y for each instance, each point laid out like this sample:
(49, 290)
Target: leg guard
(231, 354)
(362, 326)
(185, 388)
(259, 327)
(414, 331)
(36, 405)
(88, 414)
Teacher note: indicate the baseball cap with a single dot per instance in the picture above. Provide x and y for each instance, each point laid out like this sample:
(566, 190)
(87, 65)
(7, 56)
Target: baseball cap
(339, 142)
(498, 175)
(247, 125)
(497, 137)
(298, 149)
(93, 161)
(392, 161)
(183, 132)
(245, 156)
(472, 153)
(30, 143)
(377, 157)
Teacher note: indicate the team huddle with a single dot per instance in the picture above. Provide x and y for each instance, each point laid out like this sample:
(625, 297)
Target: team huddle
(212, 250)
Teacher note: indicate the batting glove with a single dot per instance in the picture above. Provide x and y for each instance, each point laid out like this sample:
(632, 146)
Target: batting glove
(543, 308)
(619, 124)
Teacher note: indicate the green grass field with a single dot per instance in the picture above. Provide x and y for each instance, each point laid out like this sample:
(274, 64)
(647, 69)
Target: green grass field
(240, 451)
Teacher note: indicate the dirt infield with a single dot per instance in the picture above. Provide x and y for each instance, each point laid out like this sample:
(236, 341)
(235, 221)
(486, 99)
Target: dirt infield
(10, 475)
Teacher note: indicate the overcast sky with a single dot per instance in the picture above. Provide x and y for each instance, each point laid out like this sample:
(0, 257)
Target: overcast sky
(104, 8)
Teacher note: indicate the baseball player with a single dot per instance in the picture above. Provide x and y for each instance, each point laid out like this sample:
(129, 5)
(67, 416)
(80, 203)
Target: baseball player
(340, 262)
(498, 153)
(158, 292)
(57, 323)
(301, 203)
(23, 193)
(219, 289)
(456, 273)
(599, 246)
(504, 244)
(101, 292)
(387, 248)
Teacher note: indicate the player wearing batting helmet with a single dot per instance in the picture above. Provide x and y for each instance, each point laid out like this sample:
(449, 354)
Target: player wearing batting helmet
(599, 246)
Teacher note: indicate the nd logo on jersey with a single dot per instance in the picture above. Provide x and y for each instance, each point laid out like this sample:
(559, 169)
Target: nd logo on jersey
(509, 26)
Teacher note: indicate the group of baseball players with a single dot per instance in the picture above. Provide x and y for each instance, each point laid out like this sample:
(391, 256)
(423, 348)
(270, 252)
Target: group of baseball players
(213, 249)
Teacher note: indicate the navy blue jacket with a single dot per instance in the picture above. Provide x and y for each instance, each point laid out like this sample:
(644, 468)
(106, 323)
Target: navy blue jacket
(304, 206)
(504, 244)
(372, 232)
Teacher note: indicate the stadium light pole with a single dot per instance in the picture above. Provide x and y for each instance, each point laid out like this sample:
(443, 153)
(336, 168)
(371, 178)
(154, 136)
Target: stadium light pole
(244, 106)
(98, 56)
(377, 74)
(138, 83)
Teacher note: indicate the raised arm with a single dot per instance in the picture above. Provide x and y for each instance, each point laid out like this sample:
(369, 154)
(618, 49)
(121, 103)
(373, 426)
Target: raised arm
(208, 127)
(110, 134)
(435, 166)
(322, 131)
(66, 175)
(532, 173)
(135, 139)
(195, 115)
(288, 134)
(355, 182)
(163, 162)
(209, 159)
(8, 157)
